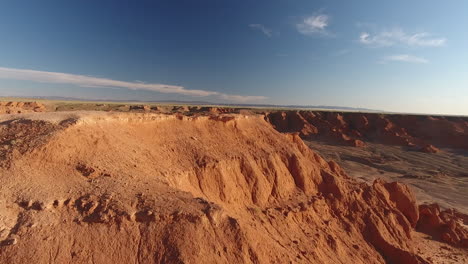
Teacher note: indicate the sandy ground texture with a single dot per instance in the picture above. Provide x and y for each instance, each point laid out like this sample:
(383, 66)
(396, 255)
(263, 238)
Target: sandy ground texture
(438, 252)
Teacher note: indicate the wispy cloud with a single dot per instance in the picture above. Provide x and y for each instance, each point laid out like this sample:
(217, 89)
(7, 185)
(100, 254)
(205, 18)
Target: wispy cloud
(315, 24)
(399, 37)
(95, 82)
(242, 98)
(404, 58)
(266, 31)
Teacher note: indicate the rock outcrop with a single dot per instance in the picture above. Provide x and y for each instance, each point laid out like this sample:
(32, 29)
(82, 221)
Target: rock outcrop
(445, 225)
(21, 107)
(149, 188)
(425, 133)
(430, 149)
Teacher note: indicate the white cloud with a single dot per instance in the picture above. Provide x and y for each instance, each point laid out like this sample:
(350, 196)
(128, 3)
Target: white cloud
(95, 82)
(315, 24)
(399, 37)
(405, 58)
(242, 98)
(268, 32)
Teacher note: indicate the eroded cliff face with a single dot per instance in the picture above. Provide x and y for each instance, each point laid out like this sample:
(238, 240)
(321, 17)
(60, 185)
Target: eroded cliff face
(146, 188)
(425, 133)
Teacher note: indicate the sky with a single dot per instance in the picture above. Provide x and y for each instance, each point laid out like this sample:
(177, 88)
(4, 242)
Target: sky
(399, 56)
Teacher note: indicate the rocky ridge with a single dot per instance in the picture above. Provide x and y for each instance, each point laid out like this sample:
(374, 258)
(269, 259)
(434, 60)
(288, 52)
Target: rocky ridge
(425, 133)
(134, 187)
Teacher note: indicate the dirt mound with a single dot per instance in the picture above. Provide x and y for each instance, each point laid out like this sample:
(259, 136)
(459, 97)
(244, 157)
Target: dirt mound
(146, 188)
(421, 132)
(21, 107)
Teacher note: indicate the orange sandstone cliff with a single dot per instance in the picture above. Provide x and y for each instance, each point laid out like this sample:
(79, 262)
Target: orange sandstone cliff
(150, 188)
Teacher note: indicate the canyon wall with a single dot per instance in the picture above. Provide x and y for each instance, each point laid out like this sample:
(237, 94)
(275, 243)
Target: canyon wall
(423, 132)
(218, 188)
(144, 188)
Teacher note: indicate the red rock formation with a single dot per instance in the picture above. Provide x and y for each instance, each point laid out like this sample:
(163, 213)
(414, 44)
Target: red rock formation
(444, 225)
(292, 122)
(404, 200)
(420, 132)
(146, 188)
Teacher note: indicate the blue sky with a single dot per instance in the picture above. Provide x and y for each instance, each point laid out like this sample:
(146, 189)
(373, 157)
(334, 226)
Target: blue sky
(406, 56)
